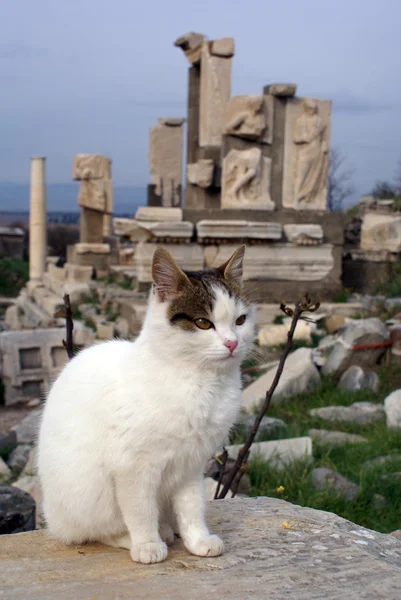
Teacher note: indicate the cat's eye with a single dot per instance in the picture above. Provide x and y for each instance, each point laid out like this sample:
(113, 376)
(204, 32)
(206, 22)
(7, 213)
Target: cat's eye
(203, 323)
(240, 320)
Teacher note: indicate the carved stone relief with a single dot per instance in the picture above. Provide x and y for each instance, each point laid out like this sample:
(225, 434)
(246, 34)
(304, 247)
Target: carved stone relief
(307, 135)
(246, 180)
(250, 117)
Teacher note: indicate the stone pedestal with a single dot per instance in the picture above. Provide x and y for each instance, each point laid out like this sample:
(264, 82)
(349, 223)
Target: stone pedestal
(37, 221)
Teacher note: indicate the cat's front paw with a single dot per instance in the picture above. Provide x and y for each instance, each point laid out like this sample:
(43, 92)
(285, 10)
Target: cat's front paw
(150, 552)
(208, 545)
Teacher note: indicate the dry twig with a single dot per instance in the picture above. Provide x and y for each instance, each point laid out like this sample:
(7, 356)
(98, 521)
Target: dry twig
(66, 313)
(224, 458)
(305, 305)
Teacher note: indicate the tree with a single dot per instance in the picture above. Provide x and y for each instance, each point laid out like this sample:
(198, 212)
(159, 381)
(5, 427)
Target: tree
(339, 181)
(384, 190)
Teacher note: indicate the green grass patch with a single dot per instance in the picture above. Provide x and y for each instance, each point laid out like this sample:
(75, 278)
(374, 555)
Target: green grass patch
(348, 459)
(14, 273)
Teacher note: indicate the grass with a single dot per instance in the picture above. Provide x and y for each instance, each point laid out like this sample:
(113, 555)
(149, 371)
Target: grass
(348, 459)
(14, 273)
(390, 286)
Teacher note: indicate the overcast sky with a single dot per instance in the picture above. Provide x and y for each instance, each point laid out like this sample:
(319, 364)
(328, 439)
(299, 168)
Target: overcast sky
(93, 75)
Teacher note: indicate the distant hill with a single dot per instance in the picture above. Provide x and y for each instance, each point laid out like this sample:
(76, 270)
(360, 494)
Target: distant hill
(62, 197)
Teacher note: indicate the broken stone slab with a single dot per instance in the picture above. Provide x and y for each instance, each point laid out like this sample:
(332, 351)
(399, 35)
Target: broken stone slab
(275, 335)
(172, 121)
(278, 453)
(381, 232)
(17, 511)
(250, 567)
(269, 427)
(357, 333)
(19, 457)
(222, 229)
(392, 408)
(355, 378)
(201, 173)
(223, 47)
(323, 478)
(191, 44)
(92, 248)
(335, 438)
(361, 413)
(299, 375)
(286, 90)
(5, 471)
(91, 166)
(304, 235)
(27, 430)
(158, 213)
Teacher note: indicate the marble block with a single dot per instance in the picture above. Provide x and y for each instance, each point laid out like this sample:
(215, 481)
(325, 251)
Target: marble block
(91, 166)
(187, 256)
(304, 234)
(201, 172)
(158, 213)
(381, 232)
(238, 229)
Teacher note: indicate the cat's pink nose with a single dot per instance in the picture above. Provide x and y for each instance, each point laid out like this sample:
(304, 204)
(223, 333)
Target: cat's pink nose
(231, 345)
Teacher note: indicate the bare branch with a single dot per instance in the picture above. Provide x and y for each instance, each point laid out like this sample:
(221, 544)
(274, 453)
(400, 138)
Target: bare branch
(66, 313)
(301, 306)
(339, 184)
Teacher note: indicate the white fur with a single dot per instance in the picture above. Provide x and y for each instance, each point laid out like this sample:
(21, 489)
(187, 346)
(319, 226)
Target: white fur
(128, 427)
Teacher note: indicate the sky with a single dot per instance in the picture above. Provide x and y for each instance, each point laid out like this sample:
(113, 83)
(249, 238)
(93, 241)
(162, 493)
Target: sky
(94, 75)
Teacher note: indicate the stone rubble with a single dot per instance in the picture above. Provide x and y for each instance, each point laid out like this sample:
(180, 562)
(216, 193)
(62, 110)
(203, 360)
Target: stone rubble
(360, 413)
(335, 438)
(392, 408)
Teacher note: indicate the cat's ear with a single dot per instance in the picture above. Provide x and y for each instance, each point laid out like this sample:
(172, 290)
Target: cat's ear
(167, 276)
(232, 269)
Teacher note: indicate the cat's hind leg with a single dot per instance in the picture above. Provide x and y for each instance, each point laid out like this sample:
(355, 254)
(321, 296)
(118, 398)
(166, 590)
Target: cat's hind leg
(117, 541)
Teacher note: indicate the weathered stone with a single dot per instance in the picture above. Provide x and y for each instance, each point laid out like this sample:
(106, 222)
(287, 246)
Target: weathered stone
(5, 472)
(286, 90)
(396, 534)
(17, 511)
(158, 213)
(96, 194)
(306, 147)
(104, 329)
(392, 408)
(188, 257)
(31, 359)
(92, 248)
(121, 327)
(304, 235)
(335, 438)
(382, 461)
(299, 375)
(19, 457)
(27, 430)
(91, 166)
(323, 478)
(246, 180)
(333, 323)
(165, 159)
(278, 453)
(83, 335)
(250, 117)
(215, 91)
(201, 172)
(269, 427)
(381, 232)
(361, 413)
(355, 378)
(299, 538)
(171, 121)
(222, 229)
(191, 44)
(358, 333)
(223, 47)
(275, 335)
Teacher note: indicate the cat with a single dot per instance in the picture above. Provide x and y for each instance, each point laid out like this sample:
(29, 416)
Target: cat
(128, 427)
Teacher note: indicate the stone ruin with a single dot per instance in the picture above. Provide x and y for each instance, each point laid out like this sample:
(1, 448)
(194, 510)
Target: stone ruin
(256, 172)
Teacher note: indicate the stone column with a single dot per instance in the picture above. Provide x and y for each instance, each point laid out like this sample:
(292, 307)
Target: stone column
(37, 221)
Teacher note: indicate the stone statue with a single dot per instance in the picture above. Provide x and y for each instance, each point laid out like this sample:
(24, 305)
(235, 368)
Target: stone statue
(312, 156)
(246, 180)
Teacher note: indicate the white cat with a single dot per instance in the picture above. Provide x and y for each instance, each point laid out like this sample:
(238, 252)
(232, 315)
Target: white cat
(128, 427)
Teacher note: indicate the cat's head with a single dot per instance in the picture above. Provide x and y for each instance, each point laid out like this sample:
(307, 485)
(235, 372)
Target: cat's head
(204, 314)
